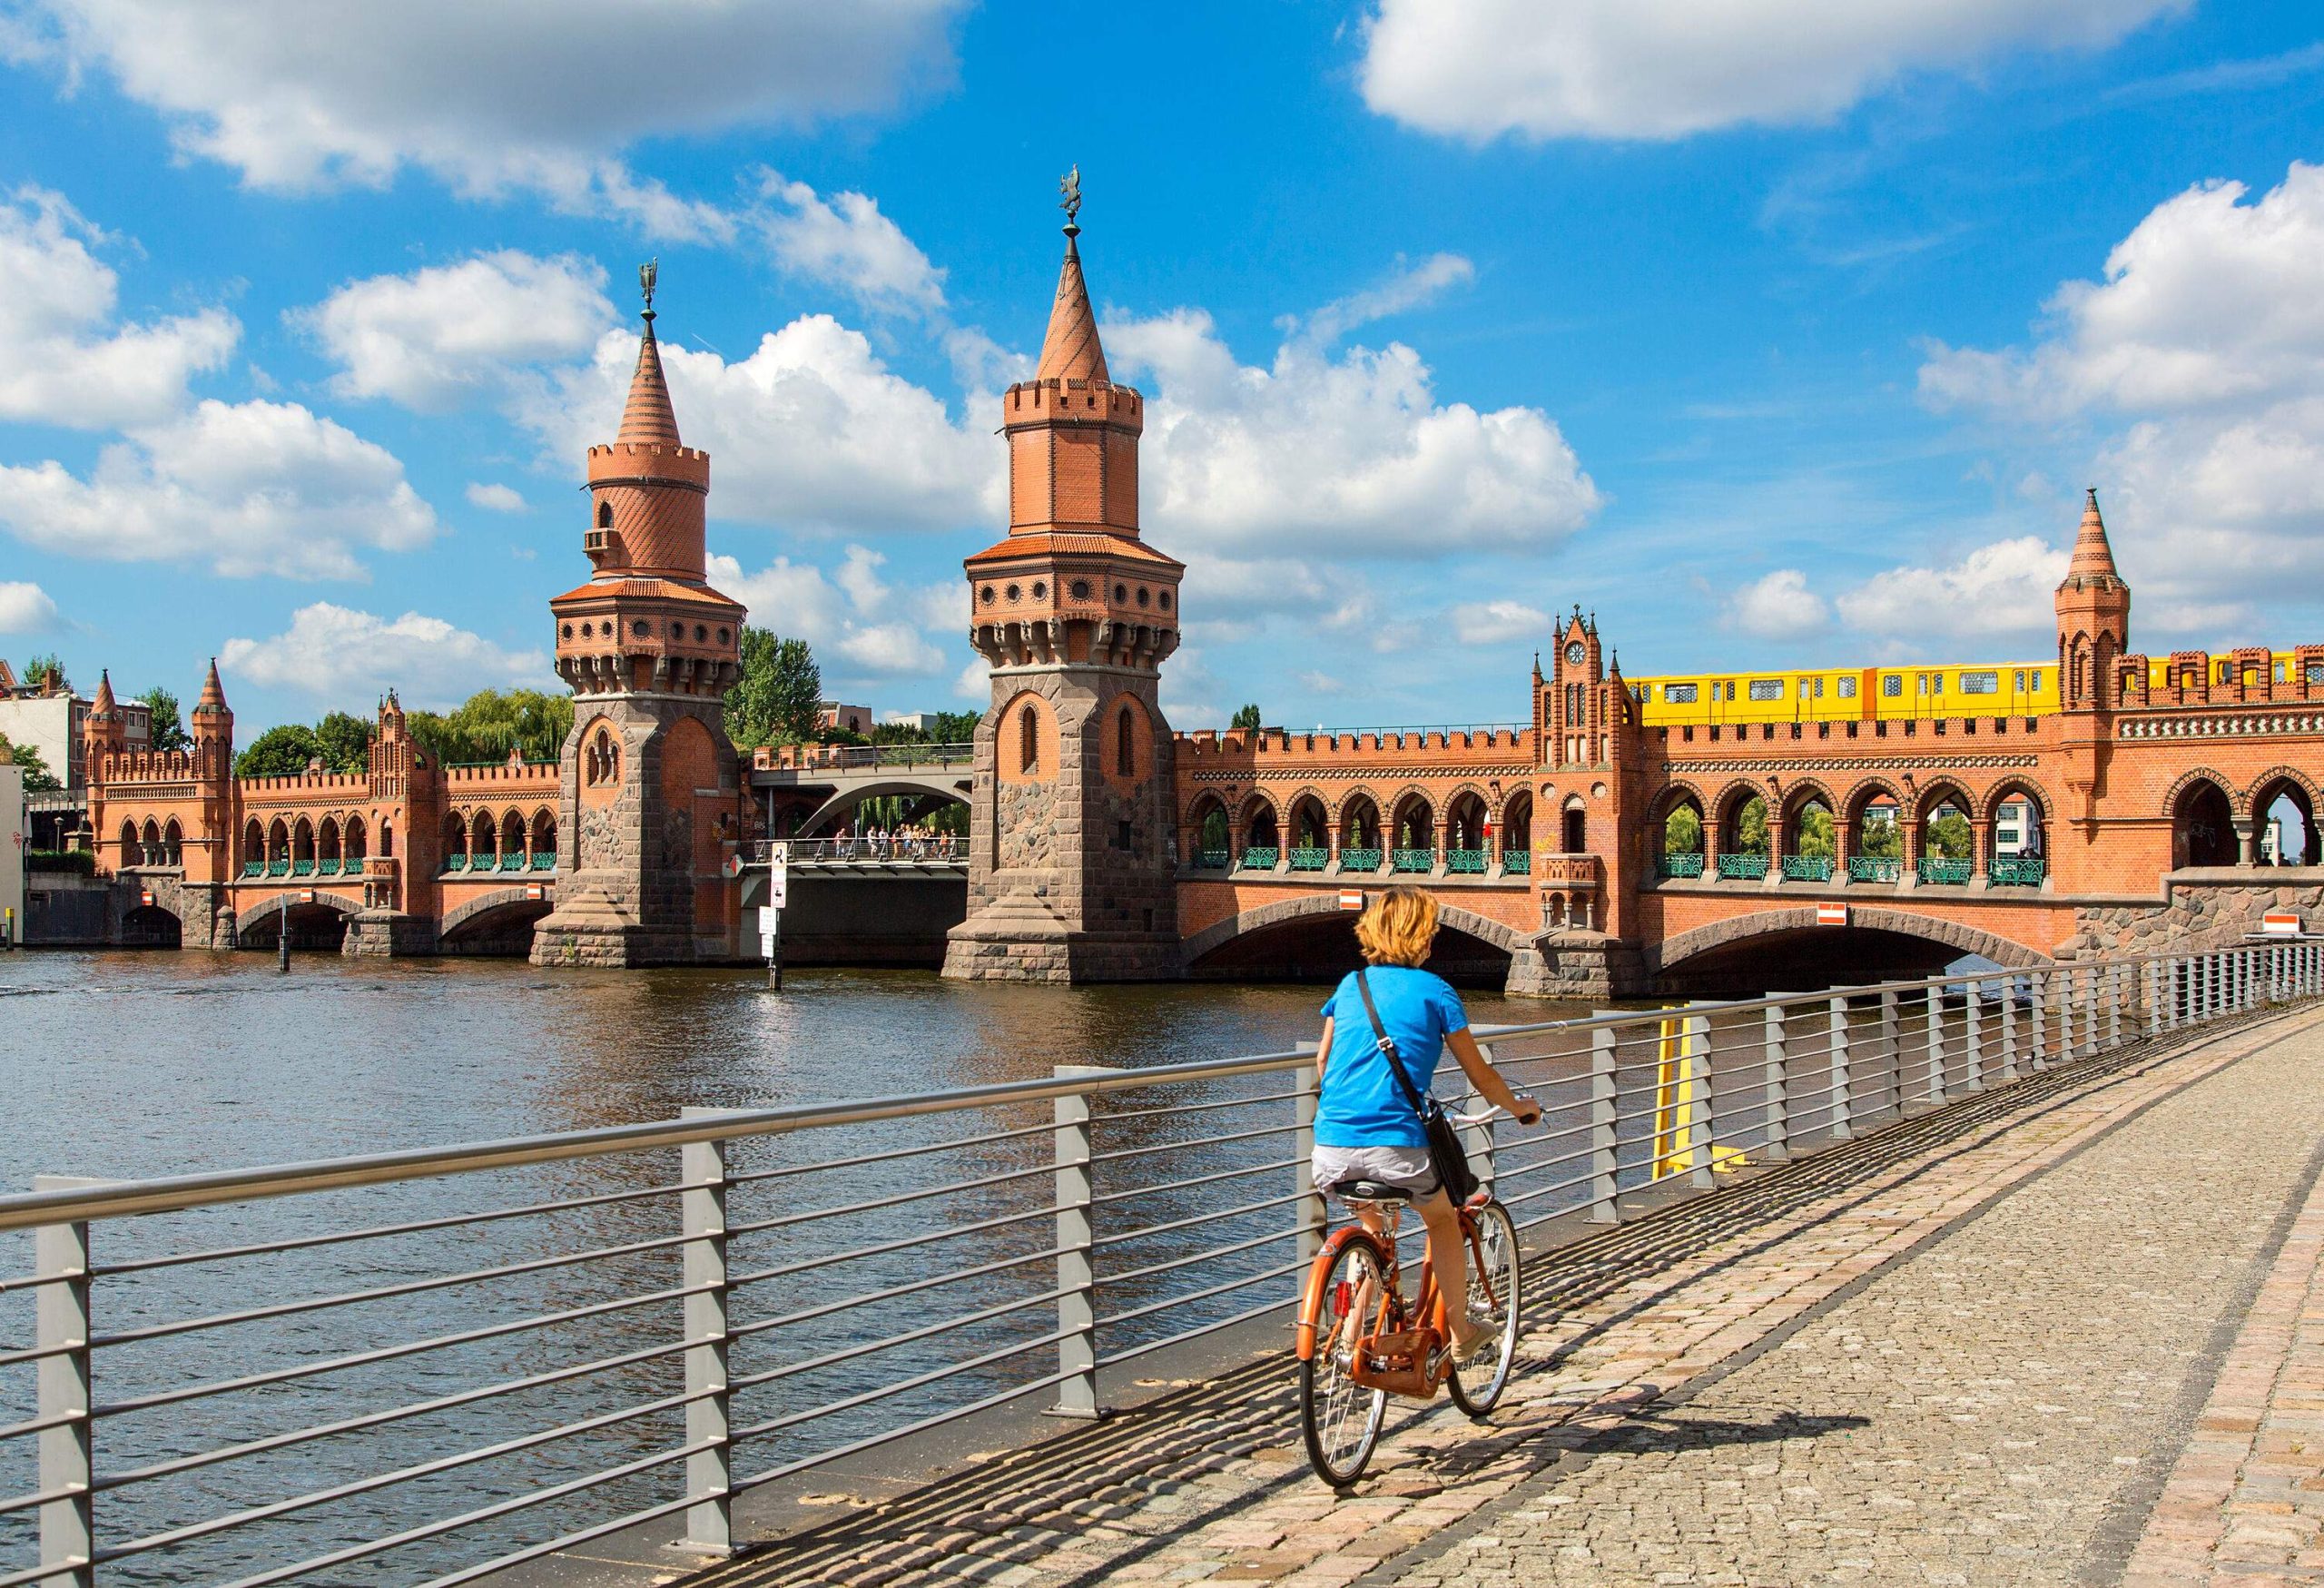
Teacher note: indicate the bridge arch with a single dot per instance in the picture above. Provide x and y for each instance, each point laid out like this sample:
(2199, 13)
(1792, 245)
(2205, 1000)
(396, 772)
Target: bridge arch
(1413, 819)
(1320, 937)
(2280, 786)
(825, 820)
(2202, 821)
(2187, 780)
(1763, 947)
(1307, 820)
(2018, 786)
(1728, 819)
(499, 922)
(1258, 825)
(321, 923)
(1357, 818)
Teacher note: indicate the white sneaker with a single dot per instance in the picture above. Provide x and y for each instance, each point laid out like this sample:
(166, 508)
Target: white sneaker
(1485, 1336)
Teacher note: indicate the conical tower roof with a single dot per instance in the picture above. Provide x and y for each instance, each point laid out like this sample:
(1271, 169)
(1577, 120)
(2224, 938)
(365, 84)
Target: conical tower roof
(648, 420)
(2094, 557)
(214, 693)
(1071, 351)
(105, 706)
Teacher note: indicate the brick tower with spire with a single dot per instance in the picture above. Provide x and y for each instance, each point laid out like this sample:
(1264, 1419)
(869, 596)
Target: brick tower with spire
(1070, 863)
(650, 790)
(2093, 608)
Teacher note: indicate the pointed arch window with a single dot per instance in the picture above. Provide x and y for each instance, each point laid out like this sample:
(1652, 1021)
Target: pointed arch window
(605, 515)
(1126, 743)
(1029, 740)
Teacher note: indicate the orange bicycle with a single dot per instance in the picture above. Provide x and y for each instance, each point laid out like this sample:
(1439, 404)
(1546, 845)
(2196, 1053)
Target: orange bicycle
(1360, 1341)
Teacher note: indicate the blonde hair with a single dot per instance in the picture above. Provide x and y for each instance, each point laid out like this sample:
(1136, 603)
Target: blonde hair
(1397, 928)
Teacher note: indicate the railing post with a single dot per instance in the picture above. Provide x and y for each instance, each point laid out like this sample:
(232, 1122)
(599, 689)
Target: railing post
(1476, 1141)
(1892, 1047)
(1772, 1078)
(2063, 984)
(2008, 1029)
(1842, 1127)
(2148, 995)
(1605, 1204)
(1306, 1092)
(1701, 1135)
(1972, 1034)
(2089, 1013)
(2037, 990)
(61, 1313)
(1932, 1040)
(701, 1213)
(1077, 1285)
(2114, 998)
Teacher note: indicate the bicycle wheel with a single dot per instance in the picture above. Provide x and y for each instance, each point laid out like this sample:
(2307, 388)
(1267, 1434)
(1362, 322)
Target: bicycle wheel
(1495, 1293)
(1340, 1417)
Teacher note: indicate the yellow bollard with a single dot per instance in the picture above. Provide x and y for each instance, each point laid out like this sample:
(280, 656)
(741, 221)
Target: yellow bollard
(1676, 1138)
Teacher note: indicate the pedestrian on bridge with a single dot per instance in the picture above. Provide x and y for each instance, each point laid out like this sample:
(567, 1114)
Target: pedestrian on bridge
(1365, 1125)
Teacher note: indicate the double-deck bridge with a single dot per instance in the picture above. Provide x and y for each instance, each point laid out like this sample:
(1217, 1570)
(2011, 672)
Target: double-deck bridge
(1629, 835)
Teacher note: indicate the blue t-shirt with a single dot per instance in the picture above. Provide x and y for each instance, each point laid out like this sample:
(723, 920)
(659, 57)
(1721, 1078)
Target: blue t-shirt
(1361, 1105)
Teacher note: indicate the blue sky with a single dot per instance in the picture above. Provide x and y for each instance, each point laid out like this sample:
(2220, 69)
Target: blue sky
(1768, 336)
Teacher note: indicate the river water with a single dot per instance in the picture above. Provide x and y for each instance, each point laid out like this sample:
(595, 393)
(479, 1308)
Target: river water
(133, 1065)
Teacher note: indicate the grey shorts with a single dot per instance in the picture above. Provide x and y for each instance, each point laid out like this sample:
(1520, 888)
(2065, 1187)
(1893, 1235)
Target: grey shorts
(1408, 1167)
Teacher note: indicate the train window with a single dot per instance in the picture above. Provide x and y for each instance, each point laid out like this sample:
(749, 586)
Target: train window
(1923, 683)
(2316, 671)
(1981, 683)
(1767, 689)
(2035, 679)
(1847, 689)
(1936, 684)
(1819, 689)
(1893, 684)
(2280, 673)
(2018, 682)
(1679, 693)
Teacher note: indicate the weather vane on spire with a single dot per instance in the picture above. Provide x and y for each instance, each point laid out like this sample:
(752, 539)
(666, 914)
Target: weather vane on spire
(647, 274)
(1069, 184)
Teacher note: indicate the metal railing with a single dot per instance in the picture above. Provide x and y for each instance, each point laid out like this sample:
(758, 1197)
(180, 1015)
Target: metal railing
(869, 849)
(433, 1364)
(861, 757)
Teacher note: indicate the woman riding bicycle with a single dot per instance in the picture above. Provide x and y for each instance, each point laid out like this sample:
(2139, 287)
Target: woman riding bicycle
(1365, 1127)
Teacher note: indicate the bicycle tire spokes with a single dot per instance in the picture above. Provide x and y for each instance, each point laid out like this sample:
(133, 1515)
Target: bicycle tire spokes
(1339, 1417)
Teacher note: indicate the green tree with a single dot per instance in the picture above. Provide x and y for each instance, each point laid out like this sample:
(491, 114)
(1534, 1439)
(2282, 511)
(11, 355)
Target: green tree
(1882, 839)
(1816, 835)
(38, 778)
(490, 723)
(38, 670)
(280, 752)
(1682, 831)
(1751, 827)
(1246, 719)
(169, 725)
(775, 700)
(344, 742)
(1949, 837)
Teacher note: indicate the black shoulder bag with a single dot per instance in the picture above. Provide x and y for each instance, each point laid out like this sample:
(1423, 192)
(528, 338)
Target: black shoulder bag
(1444, 1150)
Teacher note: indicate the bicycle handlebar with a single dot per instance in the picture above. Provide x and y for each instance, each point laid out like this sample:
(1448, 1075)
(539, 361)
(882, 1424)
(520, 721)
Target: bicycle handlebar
(1493, 1111)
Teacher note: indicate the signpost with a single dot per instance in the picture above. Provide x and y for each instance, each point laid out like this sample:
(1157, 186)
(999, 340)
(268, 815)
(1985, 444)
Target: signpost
(778, 893)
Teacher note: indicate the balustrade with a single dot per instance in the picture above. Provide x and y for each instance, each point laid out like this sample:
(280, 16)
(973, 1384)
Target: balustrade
(1211, 860)
(1307, 858)
(1414, 860)
(1359, 860)
(1875, 868)
(1256, 859)
(1807, 868)
(545, 862)
(2017, 870)
(1742, 867)
(1677, 866)
(1935, 872)
(1516, 863)
(1465, 862)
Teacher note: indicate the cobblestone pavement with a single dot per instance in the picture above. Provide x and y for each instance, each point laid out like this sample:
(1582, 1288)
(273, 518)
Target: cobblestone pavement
(2246, 1500)
(1793, 1380)
(1997, 1409)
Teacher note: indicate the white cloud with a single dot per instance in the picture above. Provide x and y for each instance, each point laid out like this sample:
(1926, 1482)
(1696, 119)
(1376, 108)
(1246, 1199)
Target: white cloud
(2002, 590)
(68, 362)
(302, 95)
(1478, 69)
(810, 431)
(246, 489)
(435, 337)
(1409, 288)
(1778, 606)
(332, 653)
(843, 241)
(494, 498)
(843, 615)
(26, 608)
(1354, 454)
(1323, 683)
(1493, 623)
(2198, 359)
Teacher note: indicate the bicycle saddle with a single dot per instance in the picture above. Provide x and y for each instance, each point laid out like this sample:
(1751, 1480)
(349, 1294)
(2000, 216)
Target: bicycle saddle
(1364, 1191)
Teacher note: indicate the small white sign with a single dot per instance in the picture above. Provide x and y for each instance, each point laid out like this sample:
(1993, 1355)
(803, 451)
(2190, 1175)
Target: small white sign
(1352, 899)
(771, 922)
(779, 852)
(1831, 915)
(2280, 923)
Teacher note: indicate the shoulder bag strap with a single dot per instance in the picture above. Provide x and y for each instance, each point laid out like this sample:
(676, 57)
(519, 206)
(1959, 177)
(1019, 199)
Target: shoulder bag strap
(1387, 1046)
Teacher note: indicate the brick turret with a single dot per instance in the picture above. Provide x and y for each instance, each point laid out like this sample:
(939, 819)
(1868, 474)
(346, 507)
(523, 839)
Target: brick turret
(2094, 608)
(1071, 864)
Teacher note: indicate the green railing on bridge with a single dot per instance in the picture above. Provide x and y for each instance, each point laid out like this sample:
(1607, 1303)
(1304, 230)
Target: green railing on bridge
(327, 867)
(1807, 868)
(545, 861)
(1742, 867)
(1413, 860)
(1307, 858)
(1677, 866)
(2017, 870)
(1875, 868)
(253, 868)
(455, 863)
(1940, 873)
(279, 868)
(1465, 862)
(1211, 860)
(514, 862)
(1516, 863)
(1359, 860)
(1260, 860)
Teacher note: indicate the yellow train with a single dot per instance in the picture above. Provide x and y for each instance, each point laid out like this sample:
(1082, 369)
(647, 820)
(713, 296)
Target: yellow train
(1850, 694)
